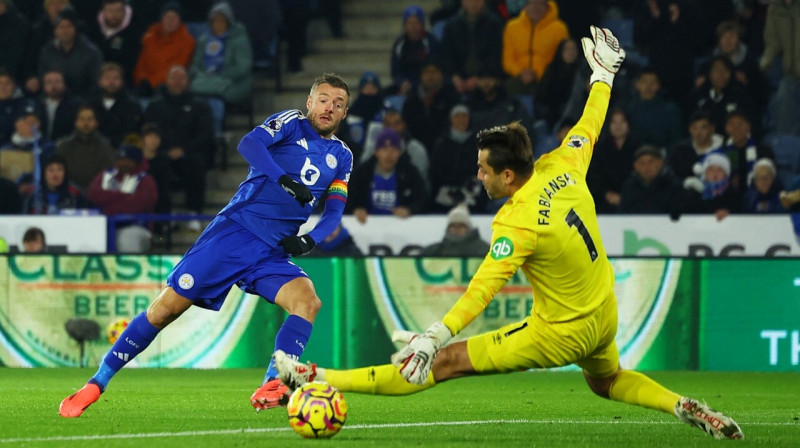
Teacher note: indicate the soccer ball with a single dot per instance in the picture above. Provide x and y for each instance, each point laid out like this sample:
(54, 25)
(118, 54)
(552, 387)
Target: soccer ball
(317, 410)
(115, 328)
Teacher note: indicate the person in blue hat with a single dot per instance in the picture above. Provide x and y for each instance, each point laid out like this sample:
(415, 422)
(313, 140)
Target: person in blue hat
(411, 50)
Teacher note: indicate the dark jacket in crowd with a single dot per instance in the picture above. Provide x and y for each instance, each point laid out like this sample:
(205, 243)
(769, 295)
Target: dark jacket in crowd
(470, 245)
(63, 119)
(408, 57)
(185, 121)
(124, 116)
(10, 201)
(609, 169)
(81, 65)
(458, 38)
(51, 202)
(410, 186)
(662, 196)
(428, 117)
(14, 33)
(86, 155)
(122, 47)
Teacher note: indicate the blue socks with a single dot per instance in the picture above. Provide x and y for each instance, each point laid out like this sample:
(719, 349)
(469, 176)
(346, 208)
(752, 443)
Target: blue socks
(136, 337)
(291, 338)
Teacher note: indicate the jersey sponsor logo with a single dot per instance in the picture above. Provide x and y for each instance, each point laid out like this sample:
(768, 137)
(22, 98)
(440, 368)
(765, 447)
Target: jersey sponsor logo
(186, 281)
(502, 248)
(309, 174)
(331, 161)
(577, 141)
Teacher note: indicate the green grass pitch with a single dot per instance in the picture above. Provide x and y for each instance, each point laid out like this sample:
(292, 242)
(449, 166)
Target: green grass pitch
(210, 408)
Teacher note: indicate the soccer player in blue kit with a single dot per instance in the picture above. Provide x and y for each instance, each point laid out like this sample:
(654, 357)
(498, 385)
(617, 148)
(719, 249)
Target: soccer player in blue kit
(294, 160)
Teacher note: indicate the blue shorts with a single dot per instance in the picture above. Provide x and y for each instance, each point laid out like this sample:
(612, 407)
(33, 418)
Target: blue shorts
(227, 254)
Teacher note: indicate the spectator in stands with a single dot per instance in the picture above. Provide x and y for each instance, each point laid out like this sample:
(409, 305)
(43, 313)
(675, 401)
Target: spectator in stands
(72, 54)
(780, 40)
(187, 135)
(262, 19)
(746, 70)
(556, 83)
(15, 32)
(530, 41)
(453, 176)
(763, 194)
(742, 149)
(296, 15)
(126, 188)
(86, 151)
(158, 165)
(10, 201)
(165, 44)
(387, 183)
(417, 153)
(490, 105)
(55, 193)
(427, 107)
(33, 241)
(713, 193)
(10, 104)
(57, 106)
(667, 30)
(461, 238)
(367, 108)
(17, 156)
(612, 163)
(411, 51)
(472, 42)
(655, 120)
(721, 93)
(338, 244)
(223, 58)
(41, 35)
(117, 34)
(652, 187)
(118, 114)
(703, 140)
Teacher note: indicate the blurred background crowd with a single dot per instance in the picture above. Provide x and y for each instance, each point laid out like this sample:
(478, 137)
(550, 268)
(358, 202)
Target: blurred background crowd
(124, 106)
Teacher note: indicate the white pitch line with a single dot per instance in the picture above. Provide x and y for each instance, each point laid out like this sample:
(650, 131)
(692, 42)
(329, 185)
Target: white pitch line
(148, 435)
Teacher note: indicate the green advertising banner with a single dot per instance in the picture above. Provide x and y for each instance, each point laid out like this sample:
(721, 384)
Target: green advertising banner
(674, 314)
(750, 315)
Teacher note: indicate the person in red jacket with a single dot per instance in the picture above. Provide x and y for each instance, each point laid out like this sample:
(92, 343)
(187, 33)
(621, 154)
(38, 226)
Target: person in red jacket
(126, 188)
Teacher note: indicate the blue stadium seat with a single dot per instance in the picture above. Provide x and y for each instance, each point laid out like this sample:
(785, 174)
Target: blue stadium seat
(394, 102)
(787, 155)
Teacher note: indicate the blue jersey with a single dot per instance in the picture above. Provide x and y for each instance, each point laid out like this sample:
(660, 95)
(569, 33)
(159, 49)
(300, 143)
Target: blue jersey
(323, 165)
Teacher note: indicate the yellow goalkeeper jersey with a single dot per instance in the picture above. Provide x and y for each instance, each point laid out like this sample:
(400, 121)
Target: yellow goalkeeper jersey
(548, 228)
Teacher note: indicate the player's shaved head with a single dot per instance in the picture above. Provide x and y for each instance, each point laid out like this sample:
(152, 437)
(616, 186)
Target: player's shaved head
(333, 80)
(509, 148)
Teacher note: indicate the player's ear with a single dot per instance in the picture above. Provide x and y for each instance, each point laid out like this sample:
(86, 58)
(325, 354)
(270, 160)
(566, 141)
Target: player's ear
(308, 103)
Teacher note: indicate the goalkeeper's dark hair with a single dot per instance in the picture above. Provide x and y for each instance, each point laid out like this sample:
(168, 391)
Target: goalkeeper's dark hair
(333, 80)
(509, 148)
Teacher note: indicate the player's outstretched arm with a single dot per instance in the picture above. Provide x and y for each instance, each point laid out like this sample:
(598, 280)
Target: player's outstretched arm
(604, 55)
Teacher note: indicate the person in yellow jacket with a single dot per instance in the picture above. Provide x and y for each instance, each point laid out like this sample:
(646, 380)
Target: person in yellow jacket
(547, 229)
(530, 41)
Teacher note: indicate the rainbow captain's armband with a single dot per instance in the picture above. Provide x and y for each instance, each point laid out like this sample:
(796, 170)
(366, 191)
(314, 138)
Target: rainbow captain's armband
(338, 190)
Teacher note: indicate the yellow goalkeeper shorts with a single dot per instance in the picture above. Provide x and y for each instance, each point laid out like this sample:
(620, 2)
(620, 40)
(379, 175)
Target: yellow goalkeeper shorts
(533, 343)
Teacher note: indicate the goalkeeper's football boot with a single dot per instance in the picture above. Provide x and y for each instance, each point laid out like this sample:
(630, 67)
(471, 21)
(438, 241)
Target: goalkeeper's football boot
(75, 404)
(293, 373)
(714, 423)
(271, 395)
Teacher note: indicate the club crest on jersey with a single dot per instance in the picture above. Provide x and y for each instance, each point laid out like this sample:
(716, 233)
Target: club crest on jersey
(272, 126)
(502, 248)
(186, 281)
(577, 141)
(330, 160)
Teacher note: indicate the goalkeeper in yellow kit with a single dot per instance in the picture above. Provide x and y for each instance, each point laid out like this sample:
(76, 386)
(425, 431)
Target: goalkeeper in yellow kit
(548, 228)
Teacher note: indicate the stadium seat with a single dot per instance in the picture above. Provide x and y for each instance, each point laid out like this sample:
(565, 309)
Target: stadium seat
(787, 155)
(394, 102)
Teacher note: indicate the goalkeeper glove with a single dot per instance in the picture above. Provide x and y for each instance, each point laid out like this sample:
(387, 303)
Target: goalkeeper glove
(297, 245)
(604, 55)
(415, 360)
(297, 190)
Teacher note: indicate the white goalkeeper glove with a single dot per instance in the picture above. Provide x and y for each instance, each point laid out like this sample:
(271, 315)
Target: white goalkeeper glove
(415, 360)
(604, 55)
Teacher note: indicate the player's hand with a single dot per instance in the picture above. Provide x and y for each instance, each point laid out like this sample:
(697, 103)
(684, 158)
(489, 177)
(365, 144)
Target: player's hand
(297, 245)
(415, 360)
(297, 190)
(404, 336)
(603, 53)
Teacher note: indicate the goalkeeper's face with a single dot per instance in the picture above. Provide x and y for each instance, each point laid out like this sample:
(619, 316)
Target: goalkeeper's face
(493, 182)
(327, 107)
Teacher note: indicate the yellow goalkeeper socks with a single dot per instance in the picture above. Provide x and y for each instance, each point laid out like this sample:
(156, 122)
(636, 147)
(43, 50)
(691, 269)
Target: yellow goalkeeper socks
(377, 380)
(634, 388)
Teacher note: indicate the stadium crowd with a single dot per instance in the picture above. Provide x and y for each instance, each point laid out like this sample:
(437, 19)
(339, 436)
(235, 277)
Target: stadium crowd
(121, 102)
